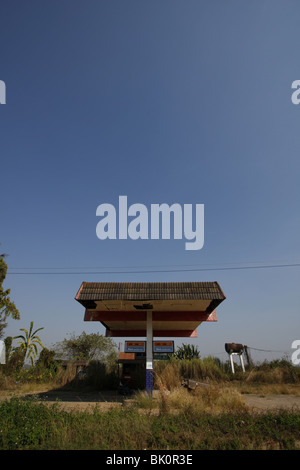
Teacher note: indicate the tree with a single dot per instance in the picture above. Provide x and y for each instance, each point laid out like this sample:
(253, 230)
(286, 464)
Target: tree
(46, 358)
(15, 360)
(7, 307)
(87, 347)
(186, 351)
(29, 342)
(8, 342)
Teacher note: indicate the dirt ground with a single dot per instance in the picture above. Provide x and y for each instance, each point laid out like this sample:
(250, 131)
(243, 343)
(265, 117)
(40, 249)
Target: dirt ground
(73, 401)
(81, 401)
(272, 402)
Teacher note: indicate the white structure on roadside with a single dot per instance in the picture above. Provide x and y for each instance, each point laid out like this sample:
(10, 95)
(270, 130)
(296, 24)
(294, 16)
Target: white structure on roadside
(2, 352)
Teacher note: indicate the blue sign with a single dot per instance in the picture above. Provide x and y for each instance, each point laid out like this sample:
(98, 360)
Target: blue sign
(163, 346)
(135, 346)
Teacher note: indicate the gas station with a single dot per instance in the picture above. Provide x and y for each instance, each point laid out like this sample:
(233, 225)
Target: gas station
(150, 310)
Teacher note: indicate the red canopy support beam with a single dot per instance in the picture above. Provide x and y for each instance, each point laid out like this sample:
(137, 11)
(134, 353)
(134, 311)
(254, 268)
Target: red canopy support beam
(156, 333)
(103, 316)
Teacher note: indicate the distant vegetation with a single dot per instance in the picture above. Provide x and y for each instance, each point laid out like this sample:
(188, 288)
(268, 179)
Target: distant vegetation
(7, 306)
(103, 373)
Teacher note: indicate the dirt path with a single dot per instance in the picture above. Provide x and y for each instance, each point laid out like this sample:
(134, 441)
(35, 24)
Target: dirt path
(272, 402)
(79, 401)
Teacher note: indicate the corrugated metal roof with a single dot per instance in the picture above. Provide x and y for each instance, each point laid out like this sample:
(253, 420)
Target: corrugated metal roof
(94, 291)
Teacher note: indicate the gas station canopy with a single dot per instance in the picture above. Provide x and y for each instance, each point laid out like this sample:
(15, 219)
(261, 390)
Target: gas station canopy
(178, 308)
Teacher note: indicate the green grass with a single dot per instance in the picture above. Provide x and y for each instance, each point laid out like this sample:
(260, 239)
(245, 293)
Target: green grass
(31, 425)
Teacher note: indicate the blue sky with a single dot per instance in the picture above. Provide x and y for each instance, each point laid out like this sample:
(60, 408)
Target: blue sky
(163, 101)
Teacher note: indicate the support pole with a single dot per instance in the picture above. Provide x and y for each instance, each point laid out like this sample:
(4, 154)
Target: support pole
(149, 354)
(242, 362)
(248, 356)
(231, 361)
(241, 359)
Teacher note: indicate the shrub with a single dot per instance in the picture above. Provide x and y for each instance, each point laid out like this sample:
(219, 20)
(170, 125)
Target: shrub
(24, 425)
(101, 376)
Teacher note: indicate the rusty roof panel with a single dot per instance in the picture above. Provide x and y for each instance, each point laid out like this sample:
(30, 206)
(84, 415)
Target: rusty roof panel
(150, 291)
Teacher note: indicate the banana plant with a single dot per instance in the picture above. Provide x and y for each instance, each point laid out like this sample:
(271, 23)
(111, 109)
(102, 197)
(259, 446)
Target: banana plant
(29, 341)
(187, 351)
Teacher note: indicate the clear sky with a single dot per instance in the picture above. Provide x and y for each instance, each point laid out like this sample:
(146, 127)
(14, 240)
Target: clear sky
(163, 101)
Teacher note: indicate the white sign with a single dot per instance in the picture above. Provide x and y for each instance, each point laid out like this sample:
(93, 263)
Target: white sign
(2, 352)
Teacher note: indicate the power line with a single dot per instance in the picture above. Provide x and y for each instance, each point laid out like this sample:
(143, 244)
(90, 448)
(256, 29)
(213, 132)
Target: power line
(162, 265)
(228, 268)
(265, 350)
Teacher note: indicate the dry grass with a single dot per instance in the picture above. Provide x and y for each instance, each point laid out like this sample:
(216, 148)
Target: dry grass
(268, 389)
(213, 399)
(24, 389)
(224, 393)
(65, 375)
(278, 375)
(171, 373)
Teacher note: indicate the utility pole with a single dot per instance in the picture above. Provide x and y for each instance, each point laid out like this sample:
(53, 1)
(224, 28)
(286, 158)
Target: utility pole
(248, 356)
